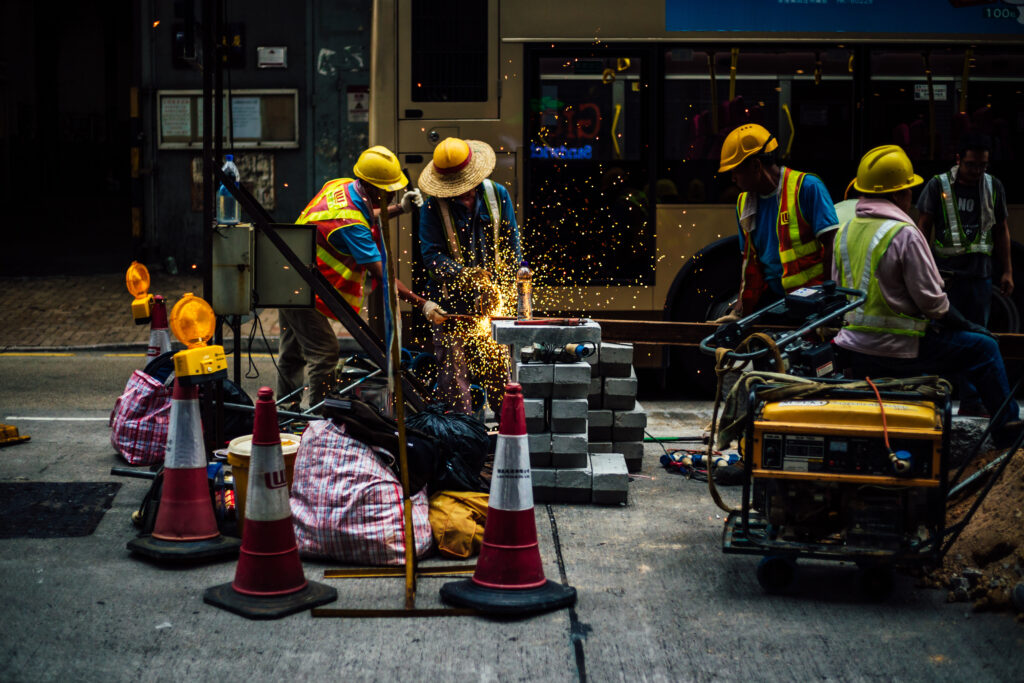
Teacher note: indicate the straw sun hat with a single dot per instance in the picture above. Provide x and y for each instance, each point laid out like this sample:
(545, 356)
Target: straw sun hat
(458, 166)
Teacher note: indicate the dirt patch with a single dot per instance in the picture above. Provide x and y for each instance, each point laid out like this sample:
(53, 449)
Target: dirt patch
(987, 561)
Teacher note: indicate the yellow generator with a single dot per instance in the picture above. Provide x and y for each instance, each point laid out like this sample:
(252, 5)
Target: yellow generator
(846, 475)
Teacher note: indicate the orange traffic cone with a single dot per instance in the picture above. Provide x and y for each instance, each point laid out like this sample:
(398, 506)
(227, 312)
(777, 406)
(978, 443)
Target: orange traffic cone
(509, 578)
(185, 527)
(269, 582)
(159, 339)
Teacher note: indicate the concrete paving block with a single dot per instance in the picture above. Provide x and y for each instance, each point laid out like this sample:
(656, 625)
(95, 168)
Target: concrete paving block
(568, 415)
(616, 360)
(536, 415)
(544, 485)
(571, 380)
(574, 485)
(620, 392)
(596, 395)
(629, 425)
(593, 360)
(600, 447)
(599, 425)
(610, 478)
(568, 450)
(507, 332)
(632, 451)
(536, 379)
(540, 449)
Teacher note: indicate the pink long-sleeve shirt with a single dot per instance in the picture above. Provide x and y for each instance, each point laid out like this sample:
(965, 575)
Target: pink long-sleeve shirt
(909, 280)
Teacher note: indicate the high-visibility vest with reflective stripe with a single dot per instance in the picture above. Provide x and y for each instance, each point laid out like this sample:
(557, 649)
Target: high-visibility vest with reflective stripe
(859, 247)
(334, 208)
(800, 253)
(953, 241)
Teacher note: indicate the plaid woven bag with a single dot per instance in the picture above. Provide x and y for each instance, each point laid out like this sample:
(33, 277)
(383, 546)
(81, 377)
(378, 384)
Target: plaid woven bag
(347, 505)
(140, 420)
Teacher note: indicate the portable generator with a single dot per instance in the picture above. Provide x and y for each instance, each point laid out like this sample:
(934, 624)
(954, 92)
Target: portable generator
(844, 473)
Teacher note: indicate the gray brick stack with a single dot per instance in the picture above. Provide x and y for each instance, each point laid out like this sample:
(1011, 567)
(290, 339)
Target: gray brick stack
(574, 451)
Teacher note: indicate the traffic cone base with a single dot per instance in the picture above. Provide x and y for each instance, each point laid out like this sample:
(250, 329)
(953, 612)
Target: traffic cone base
(261, 607)
(219, 547)
(503, 602)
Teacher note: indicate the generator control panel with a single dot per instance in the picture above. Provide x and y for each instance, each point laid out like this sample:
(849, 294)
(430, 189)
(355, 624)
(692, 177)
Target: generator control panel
(842, 454)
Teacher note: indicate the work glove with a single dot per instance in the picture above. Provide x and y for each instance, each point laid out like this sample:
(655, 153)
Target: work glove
(730, 317)
(412, 198)
(475, 276)
(434, 313)
(955, 320)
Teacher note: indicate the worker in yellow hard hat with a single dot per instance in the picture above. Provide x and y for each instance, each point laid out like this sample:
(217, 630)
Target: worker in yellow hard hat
(907, 326)
(469, 239)
(785, 217)
(348, 248)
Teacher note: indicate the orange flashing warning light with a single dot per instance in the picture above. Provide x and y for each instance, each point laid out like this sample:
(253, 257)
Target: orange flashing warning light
(193, 322)
(137, 280)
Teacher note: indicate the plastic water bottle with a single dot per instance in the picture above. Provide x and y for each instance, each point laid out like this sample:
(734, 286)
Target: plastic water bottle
(524, 292)
(228, 211)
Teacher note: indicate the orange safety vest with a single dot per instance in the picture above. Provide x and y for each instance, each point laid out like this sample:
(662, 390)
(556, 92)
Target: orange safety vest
(799, 250)
(334, 208)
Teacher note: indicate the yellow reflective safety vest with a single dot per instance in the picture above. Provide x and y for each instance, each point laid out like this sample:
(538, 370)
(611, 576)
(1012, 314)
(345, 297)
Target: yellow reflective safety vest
(859, 247)
(952, 241)
(334, 208)
(800, 253)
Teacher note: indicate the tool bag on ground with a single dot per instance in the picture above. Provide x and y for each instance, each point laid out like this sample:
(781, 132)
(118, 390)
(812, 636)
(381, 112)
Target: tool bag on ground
(463, 445)
(140, 420)
(347, 503)
(365, 423)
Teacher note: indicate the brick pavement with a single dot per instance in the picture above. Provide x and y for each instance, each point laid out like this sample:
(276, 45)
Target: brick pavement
(92, 311)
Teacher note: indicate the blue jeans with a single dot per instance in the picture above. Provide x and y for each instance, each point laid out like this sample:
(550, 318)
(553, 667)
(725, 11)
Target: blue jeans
(972, 296)
(950, 354)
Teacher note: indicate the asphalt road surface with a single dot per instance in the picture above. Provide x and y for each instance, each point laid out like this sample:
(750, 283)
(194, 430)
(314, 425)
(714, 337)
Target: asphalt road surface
(658, 600)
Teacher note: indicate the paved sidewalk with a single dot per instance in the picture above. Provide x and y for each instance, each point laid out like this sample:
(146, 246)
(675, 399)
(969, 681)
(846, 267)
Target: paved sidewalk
(94, 312)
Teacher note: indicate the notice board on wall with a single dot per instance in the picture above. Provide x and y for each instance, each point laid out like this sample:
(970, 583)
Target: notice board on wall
(256, 119)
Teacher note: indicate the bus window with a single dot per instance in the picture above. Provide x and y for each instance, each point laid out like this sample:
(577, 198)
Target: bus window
(812, 88)
(589, 219)
(930, 133)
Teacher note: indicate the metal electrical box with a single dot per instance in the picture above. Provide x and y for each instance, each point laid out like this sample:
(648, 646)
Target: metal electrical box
(250, 273)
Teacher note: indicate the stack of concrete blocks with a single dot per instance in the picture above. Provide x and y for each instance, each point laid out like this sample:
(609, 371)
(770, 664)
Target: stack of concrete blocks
(616, 420)
(557, 418)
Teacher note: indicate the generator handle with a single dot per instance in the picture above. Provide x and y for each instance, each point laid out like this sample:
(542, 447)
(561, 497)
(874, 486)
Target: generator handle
(855, 297)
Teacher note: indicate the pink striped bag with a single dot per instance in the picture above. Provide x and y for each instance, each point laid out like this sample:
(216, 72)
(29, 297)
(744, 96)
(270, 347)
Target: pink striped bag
(140, 420)
(347, 505)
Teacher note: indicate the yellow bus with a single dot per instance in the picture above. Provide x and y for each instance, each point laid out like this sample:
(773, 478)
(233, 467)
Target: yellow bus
(608, 118)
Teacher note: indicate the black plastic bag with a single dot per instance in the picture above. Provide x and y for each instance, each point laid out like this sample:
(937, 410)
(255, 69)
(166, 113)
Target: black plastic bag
(463, 444)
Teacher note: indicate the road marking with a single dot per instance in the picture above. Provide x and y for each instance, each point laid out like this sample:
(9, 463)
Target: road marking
(124, 355)
(56, 419)
(33, 353)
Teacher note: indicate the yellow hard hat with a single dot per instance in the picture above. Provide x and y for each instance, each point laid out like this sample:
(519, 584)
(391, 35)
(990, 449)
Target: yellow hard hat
(379, 167)
(745, 141)
(885, 169)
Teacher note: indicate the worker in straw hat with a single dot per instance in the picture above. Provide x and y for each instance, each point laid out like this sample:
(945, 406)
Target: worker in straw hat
(348, 249)
(469, 239)
(907, 325)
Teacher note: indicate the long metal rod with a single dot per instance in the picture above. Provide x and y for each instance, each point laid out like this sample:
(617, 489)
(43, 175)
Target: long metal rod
(398, 572)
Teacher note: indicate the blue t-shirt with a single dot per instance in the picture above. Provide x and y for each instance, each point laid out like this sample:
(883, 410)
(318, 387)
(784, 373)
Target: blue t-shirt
(815, 205)
(357, 240)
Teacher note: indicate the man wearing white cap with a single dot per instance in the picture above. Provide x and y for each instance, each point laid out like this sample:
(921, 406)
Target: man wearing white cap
(469, 240)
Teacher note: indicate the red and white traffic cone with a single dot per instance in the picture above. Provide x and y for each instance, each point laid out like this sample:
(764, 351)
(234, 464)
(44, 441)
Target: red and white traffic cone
(509, 578)
(185, 527)
(159, 339)
(269, 581)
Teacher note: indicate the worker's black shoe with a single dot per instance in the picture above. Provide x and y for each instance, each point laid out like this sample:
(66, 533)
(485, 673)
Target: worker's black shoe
(1008, 433)
(972, 409)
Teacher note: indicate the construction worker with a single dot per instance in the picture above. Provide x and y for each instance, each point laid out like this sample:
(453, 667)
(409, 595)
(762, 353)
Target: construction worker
(785, 217)
(469, 239)
(907, 325)
(348, 247)
(963, 212)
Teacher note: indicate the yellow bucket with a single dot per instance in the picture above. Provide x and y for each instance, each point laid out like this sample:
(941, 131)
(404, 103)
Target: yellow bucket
(239, 451)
